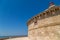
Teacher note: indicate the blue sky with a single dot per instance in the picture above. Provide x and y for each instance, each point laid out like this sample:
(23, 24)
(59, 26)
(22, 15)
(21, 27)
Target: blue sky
(14, 14)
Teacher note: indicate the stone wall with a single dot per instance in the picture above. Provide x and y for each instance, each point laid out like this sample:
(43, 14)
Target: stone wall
(51, 11)
(44, 26)
(45, 29)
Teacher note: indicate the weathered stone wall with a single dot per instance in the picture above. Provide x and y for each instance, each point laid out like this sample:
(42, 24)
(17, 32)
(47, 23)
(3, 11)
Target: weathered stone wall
(45, 29)
(44, 26)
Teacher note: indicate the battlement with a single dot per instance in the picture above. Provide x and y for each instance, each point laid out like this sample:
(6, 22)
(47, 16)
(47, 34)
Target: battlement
(51, 11)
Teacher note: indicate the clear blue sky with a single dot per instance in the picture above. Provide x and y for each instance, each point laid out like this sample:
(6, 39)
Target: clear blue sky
(15, 13)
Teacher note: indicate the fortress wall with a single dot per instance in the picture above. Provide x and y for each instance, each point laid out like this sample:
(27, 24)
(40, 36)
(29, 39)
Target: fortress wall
(48, 33)
(44, 26)
(42, 17)
(45, 29)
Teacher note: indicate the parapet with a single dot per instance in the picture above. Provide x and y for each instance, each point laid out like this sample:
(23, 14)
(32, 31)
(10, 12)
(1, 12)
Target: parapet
(51, 11)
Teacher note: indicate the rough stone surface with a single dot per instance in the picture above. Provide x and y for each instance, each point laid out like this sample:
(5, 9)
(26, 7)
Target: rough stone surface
(47, 29)
(44, 29)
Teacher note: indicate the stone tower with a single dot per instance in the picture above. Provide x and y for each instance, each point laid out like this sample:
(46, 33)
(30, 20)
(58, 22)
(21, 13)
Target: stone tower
(46, 25)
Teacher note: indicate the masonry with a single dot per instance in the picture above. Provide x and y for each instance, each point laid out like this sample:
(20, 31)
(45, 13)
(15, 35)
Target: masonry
(44, 26)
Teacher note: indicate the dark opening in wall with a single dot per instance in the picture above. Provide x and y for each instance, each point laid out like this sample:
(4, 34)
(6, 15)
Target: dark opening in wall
(52, 12)
(56, 9)
(38, 17)
(47, 13)
(42, 15)
(35, 20)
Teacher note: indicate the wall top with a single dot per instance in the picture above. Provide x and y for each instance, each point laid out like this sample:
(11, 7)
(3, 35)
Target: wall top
(48, 12)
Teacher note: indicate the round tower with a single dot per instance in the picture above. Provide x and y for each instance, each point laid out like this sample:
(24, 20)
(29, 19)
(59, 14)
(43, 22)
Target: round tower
(46, 25)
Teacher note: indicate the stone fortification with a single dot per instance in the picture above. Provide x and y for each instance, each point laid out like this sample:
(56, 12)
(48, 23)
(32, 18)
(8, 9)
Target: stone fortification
(44, 26)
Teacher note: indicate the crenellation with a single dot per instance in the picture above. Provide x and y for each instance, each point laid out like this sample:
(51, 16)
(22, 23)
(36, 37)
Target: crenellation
(35, 20)
(45, 26)
(48, 13)
(51, 11)
(38, 17)
(57, 8)
(44, 14)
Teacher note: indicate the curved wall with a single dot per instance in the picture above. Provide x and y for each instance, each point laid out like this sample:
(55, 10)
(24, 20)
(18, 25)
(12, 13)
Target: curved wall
(45, 29)
(44, 26)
